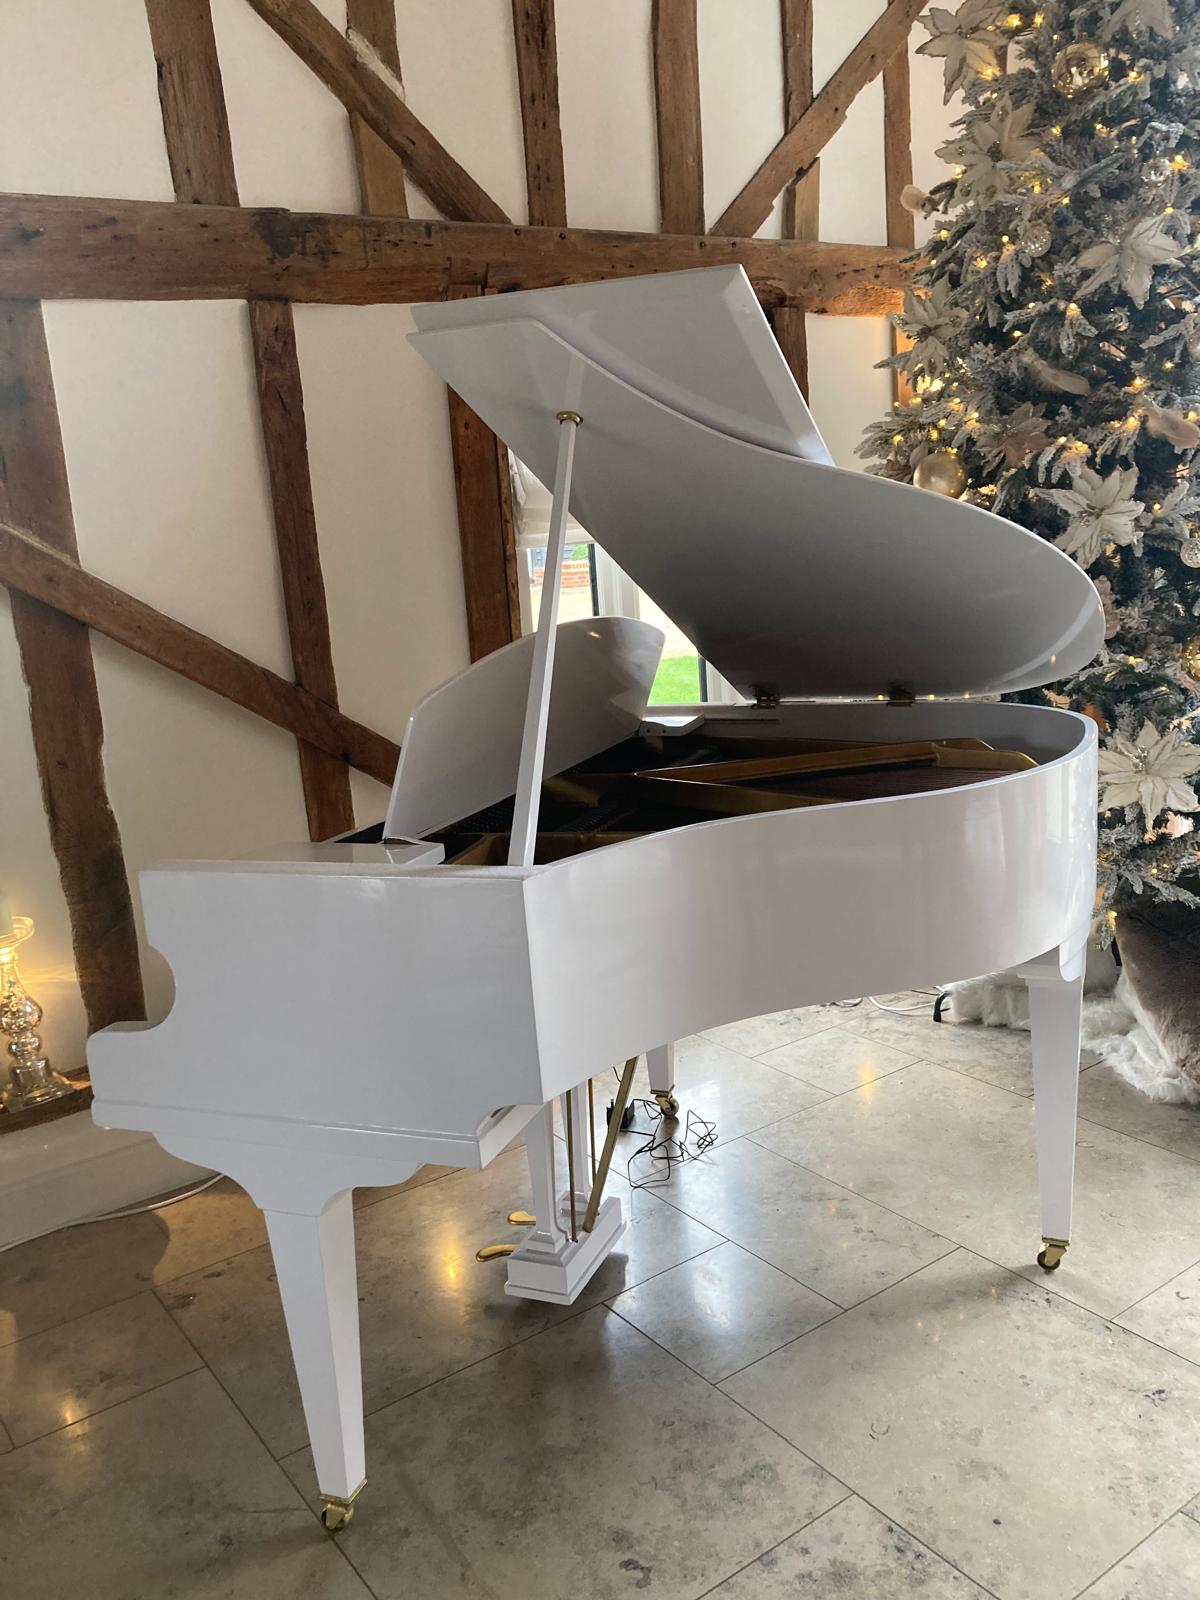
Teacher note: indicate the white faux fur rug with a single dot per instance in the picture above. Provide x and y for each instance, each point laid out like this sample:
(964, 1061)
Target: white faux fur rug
(1114, 1025)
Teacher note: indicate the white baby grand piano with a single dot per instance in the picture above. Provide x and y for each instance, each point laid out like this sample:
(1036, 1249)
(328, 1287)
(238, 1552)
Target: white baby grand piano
(347, 1011)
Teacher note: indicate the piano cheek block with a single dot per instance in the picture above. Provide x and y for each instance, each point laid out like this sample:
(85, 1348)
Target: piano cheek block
(566, 880)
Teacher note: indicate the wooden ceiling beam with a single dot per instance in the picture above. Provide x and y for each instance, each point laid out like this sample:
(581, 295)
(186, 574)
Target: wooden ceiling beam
(57, 247)
(360, 87)
(35, 569)
(541, 125)
(676, 57)
(805, 140)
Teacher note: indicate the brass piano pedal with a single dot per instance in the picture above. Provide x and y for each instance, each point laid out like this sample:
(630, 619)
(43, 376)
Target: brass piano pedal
(337, 1513)
(1051, 1253)
(522, 1219)
(667, 1103)
(494, 1252)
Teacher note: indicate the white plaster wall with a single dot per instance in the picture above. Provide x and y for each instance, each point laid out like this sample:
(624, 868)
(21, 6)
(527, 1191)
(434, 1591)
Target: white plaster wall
(157, 403)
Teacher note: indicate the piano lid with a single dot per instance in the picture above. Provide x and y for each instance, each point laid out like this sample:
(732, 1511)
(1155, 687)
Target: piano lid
(793, 577)
(670, 336)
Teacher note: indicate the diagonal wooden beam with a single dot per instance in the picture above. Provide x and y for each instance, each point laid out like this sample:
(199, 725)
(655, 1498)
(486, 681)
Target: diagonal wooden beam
(64, 706)
(361, 88)
(57, 247)
(326, 780)
(802, 143)
(676, 56)
(193, 102)
(380, 170)
(33, 568)
(541, 128)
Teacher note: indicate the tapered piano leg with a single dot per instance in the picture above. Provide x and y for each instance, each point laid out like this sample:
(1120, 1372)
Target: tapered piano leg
(660, 1064)
(314, 1263)
(1055, 1006)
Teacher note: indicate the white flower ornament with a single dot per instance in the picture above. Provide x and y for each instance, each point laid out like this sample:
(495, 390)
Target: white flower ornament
(1102, 511)
(1150, 771)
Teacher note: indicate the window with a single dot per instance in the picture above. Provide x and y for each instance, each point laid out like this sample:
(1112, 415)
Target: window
(594, 585)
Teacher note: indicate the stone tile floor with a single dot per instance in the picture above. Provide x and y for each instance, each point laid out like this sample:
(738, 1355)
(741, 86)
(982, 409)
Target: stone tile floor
(819, 1365)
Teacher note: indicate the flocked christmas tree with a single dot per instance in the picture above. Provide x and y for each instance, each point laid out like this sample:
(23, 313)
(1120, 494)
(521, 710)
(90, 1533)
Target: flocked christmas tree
(1055, 370)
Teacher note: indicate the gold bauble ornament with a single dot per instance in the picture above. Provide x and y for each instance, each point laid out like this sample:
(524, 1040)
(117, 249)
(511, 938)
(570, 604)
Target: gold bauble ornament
(1189, 657)
(941, 472)
(1079, 66)
(1189, 552)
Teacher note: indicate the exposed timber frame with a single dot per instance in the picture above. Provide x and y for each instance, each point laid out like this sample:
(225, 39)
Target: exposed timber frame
(205, 245)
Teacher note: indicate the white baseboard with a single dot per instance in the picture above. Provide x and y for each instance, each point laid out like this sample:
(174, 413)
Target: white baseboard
(71, 1169)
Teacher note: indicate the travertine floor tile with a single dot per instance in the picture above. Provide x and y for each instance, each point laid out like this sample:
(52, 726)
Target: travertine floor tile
(837, 1060)
(1166, 1567)
(74, 1271)
(221, 1222)
(67, 1373)
(80, 1269)
(1104, 1098)
(1171, 1315)
(6, 1443)
(734, 1092)
(853, 1552)
(586, 1462)
(1024, 1439)
(757, 1034)
(957, 1156)
(426, 1174)
(722, 1310)
(839, 1244)
(427, 1307)
(997, 1055)
(167, 1496)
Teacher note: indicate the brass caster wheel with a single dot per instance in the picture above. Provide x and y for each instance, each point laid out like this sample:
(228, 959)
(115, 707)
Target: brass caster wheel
(337, 1513)
(1051, 1253)
(668, 1105)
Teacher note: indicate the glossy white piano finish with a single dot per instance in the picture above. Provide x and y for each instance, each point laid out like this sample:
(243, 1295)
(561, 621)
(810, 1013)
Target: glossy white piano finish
(345, 1012)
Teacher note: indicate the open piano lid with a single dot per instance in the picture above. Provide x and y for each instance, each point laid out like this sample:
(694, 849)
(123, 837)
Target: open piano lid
(699, 470)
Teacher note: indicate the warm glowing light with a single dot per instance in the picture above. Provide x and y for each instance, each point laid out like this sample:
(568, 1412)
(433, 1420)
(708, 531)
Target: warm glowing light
(1073, 309)
(1179, 162)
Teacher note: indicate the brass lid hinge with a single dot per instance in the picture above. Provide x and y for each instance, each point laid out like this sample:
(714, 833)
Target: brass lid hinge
(899, 694)
(765, 699)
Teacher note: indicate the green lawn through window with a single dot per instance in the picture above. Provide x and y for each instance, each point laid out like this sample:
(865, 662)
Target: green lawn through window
(677, 681)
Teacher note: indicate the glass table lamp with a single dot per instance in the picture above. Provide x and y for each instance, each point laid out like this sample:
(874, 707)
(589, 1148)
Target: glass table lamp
(32, 1080)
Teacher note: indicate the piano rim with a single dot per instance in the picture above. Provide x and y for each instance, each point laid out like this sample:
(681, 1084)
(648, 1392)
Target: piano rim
(1087, 740)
